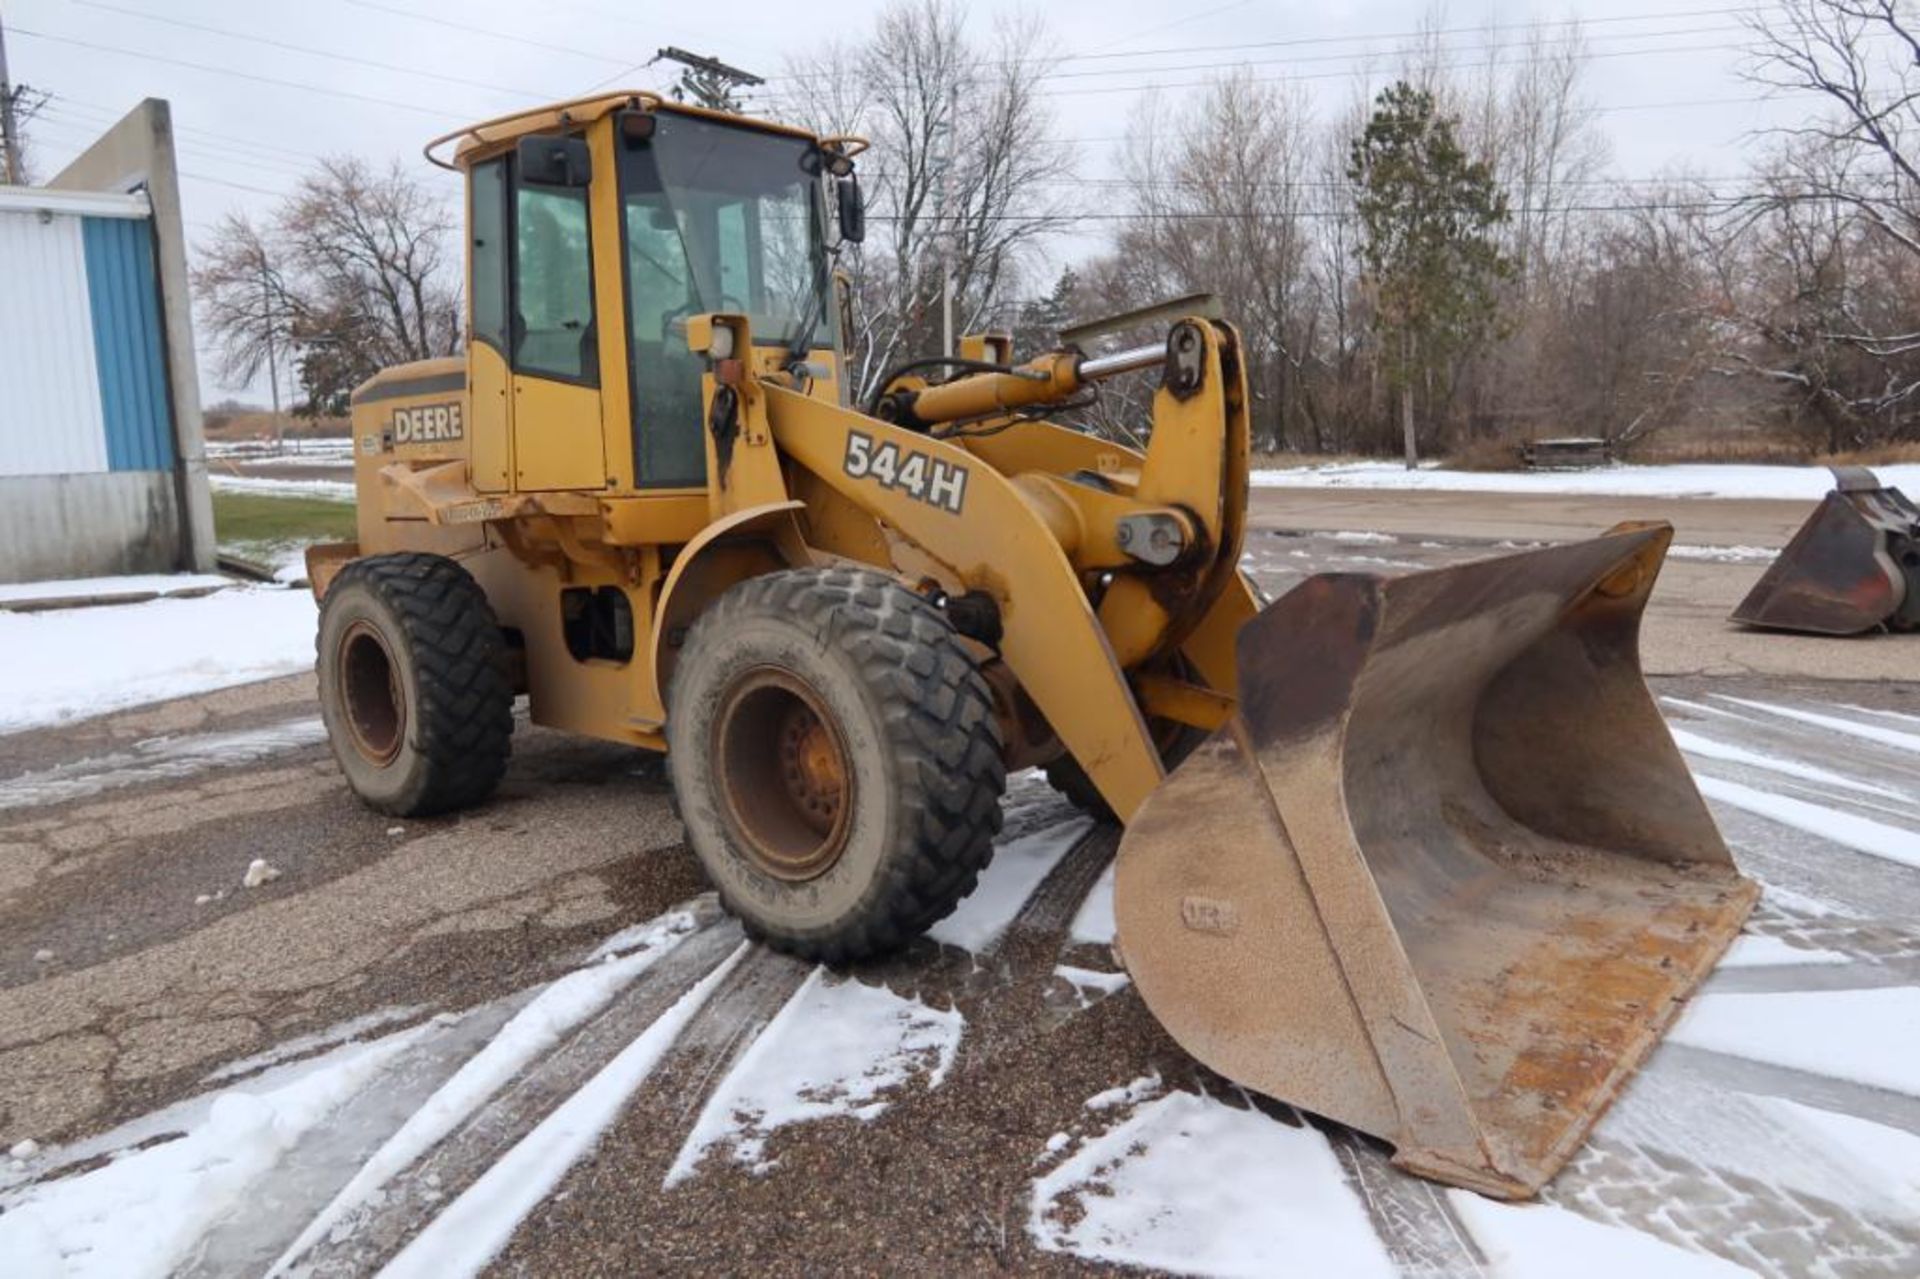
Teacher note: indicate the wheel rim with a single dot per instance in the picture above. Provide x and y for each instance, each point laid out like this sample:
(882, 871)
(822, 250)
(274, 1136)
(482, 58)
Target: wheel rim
(781, 768)
(375, 703)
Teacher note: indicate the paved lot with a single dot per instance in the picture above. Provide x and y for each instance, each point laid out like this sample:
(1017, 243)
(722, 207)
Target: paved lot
(137, 974)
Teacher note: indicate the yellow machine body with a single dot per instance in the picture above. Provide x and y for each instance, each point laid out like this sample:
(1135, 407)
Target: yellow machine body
(1307, 923)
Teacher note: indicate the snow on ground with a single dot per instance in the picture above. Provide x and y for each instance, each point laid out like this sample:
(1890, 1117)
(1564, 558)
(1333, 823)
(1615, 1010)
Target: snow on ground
(325, 490)
(1870, 1036)
(1093, 922)
(157, 759)
(142, 1213)
(473, 1229)
(1749, 951)
(1789, 483)
(1523, 1241)
(80, 662)
(1016, 870)
(534, 1030)
(307, 1045)
(1889, 1156)
(836, 1049)
(319, 449)
(1834, 723)
(134, 584)
(1189, 1184)
(1724, 554)
(1703, 747)
(1090, 981)
(1895, 843)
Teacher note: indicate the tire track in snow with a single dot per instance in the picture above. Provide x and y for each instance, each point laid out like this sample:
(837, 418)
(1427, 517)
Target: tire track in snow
(388, 1223)
(1414, 1219)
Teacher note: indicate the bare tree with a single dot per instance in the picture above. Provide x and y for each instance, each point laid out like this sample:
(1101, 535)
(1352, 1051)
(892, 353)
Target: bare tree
(247, 304)
(1223, 211)
(378, 243)
(1837, 219)
(961, 179)
(354, 271)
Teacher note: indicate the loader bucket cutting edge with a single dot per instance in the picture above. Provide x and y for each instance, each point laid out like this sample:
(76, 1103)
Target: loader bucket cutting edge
(1444, 876)
(1851, 567)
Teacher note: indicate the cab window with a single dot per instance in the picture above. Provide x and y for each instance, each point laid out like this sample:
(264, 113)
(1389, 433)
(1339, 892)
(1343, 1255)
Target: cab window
(553, 285)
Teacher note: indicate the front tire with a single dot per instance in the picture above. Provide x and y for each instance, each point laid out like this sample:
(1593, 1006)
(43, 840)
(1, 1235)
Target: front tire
(413, 684)
(836, 759)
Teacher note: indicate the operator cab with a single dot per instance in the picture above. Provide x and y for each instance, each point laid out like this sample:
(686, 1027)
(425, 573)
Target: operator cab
(597, 229)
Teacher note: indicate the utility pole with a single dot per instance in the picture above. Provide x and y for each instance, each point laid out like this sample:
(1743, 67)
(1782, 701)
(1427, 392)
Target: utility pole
(9, 127)
(709, 82)
(273, 361)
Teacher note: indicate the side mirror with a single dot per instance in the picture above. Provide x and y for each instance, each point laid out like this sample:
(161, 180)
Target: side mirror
(852, 209)
(554, 160)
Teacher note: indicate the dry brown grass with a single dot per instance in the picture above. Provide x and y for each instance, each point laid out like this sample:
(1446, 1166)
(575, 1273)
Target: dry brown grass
(1884, 455)
(258, 425)
(1278, 461)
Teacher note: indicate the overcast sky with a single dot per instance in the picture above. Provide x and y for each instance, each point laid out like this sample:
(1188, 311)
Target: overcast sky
(255, 94)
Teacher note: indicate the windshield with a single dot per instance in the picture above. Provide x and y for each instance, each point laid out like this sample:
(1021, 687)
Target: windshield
(721, 218)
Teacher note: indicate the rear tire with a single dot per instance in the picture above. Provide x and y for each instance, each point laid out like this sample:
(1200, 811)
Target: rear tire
(413, 684)
(836, 760)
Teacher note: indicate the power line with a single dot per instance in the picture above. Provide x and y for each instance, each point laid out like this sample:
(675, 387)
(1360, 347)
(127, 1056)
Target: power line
(307, 50)
(240, 75)
(1350, 72)
(1491, 38)
(467, 28)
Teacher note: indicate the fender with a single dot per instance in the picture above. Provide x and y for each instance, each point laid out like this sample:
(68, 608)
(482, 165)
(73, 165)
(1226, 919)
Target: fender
(962, 511)
(749, 542)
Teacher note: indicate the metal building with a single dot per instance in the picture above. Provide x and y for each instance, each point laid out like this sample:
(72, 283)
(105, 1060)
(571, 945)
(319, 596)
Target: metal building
(102, 468)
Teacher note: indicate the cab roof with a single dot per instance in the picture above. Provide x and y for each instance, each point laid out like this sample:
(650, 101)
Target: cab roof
(487, 135)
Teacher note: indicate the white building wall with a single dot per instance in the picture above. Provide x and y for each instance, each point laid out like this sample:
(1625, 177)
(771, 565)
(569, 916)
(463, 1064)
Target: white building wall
(50, 417)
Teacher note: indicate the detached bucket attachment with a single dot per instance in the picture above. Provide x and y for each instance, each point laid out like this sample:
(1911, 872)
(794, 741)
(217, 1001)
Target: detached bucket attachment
(1853, 566)
(1444, 876)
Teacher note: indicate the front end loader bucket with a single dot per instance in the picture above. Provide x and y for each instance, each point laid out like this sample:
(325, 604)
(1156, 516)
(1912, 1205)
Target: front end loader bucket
(1853, 566)
(1443, 877)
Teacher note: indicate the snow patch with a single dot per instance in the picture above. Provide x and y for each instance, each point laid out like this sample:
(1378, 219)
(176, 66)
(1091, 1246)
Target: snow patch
(1525, 1240)
(1192, 1185)
(1771, 952)
(106, 588)
(1102, 984)
(324, 490)
(158, 759)
(536, 1028)
(1869, 1036)
(833, 1050)
(1724, 554)
(306, 1045)
(1852, 728)
(1862, 834)
(1093, 922)
(142, 1214)
(1890, 1157)
(75, 663)
(1127, 1094)
(473, 1229)
(1016, 870)
(1784, 483)
(1707, 748)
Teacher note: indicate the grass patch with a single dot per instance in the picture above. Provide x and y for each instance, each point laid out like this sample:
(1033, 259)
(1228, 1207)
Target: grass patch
(266, 518)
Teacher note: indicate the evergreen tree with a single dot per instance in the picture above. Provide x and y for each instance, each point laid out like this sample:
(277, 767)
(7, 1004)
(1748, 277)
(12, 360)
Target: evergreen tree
(1428, 213)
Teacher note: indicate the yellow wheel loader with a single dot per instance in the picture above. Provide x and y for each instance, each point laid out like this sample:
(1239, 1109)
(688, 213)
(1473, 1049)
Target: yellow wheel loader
(1431, 866)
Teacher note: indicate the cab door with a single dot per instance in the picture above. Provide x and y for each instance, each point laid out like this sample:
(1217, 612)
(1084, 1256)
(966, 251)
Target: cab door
(489, 388)
(558, 442)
